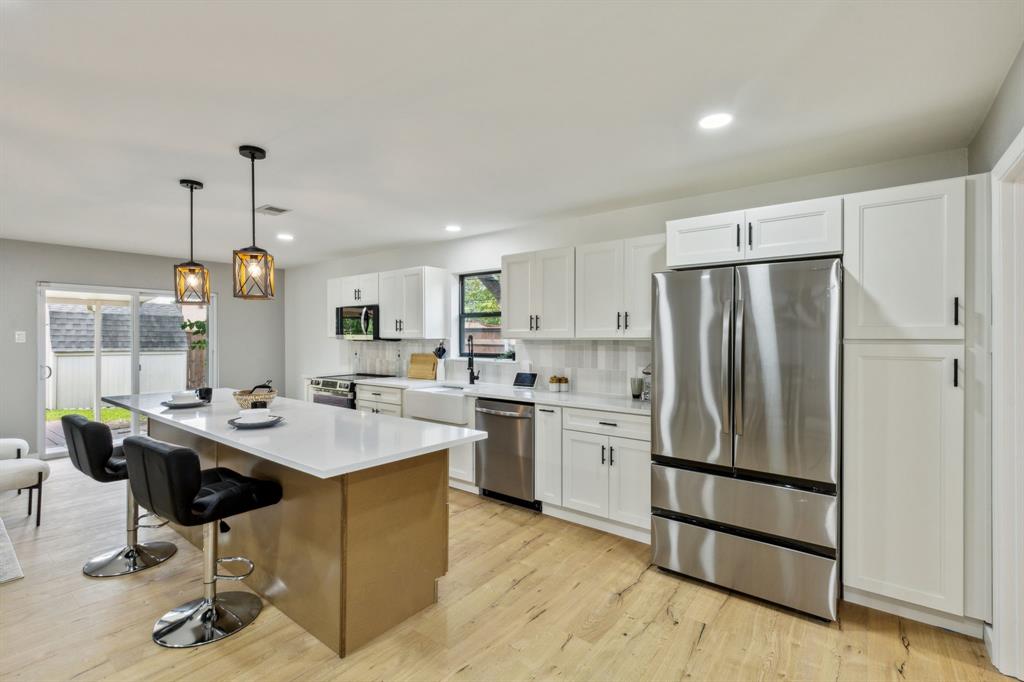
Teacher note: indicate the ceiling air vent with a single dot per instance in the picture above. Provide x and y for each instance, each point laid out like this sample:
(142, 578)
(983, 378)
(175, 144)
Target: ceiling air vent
(267, 209)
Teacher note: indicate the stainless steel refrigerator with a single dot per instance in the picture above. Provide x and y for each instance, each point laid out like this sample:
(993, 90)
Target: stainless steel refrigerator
(746, 429)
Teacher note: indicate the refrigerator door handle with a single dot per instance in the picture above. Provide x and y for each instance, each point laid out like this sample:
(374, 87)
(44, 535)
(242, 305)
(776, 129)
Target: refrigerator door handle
(738, 371)
(726, 329)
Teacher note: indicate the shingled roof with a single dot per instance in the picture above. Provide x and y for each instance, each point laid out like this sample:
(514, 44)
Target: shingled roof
(71, 328)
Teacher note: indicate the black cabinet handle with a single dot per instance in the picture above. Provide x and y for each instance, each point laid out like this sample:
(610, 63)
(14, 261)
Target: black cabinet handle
(531, 323)
(626, 317)
(541, 409)
(750, 235)
(618, 320)
(401, 325)
(611, 455)
(602, 454)
(537, 317)
(737, 236)
(956, 311)
(956, 372)
(607, 424)
(396, 325)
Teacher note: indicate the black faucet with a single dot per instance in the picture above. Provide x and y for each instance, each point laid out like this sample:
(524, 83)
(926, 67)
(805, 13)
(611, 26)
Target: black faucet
(472, 377)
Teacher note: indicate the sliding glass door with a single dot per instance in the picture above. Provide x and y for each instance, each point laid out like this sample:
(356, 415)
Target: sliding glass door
(96, 342)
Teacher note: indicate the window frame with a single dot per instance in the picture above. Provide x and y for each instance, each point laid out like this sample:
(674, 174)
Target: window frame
(463, 315)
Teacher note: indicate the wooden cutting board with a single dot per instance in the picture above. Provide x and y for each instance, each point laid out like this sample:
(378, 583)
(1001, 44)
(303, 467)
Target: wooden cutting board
(422, 366)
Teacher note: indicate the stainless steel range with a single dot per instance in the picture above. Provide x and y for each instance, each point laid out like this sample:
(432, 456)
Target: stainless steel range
(339, 390)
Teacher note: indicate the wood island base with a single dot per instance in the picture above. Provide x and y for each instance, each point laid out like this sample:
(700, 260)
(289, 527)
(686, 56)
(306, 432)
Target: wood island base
(347, 558)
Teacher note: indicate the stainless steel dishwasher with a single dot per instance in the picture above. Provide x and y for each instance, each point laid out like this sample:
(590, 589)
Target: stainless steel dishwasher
(504, 462)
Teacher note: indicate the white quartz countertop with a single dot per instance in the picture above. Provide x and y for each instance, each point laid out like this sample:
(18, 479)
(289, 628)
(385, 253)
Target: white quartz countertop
(320, 440)
(539, 396)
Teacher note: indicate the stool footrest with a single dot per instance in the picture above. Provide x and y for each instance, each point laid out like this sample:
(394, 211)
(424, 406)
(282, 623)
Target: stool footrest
(155, 525)
(235, 559)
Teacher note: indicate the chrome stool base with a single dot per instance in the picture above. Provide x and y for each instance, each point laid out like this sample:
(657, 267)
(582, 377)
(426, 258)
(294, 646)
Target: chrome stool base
(202, 621)
(125, 560)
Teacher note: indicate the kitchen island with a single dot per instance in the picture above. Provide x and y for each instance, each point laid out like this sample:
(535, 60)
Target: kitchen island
(360, 537)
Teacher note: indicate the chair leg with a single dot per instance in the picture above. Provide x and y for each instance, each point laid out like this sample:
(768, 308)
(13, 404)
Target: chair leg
(17, 455)
(213, 616)
(133, 556)
(39, 502)
(30, 501)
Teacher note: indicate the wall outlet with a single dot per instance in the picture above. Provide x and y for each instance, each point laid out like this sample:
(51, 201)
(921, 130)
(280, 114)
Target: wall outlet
(19, 337)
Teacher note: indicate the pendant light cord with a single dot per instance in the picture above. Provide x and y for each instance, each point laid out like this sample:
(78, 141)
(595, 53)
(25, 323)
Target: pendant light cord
(252, 185)
(191, 234)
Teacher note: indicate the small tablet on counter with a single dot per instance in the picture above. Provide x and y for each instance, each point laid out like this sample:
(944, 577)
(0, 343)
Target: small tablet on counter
(525, 380)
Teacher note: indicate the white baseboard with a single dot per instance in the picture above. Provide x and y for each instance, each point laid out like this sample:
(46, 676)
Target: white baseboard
(462, 485)
(606, 525)
(962, 624)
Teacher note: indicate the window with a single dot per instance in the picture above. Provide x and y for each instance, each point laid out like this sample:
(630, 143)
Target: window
(480, 315)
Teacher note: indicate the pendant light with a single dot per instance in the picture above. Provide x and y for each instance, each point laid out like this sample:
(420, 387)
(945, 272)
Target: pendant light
(253, 266)
(191, 279)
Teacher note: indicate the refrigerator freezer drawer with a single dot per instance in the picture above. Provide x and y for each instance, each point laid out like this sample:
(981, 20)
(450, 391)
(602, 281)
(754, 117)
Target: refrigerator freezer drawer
(784, 512)
(804, 582)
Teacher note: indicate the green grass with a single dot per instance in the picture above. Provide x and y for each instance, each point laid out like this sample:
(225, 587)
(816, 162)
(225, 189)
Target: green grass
(107, 414)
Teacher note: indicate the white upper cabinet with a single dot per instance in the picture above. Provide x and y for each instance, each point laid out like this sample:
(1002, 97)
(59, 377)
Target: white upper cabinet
(538, 294)
(801, 228)
(903, 472)
(359, 289)
(516, 282)
(613, 287)
(904, 262)
(392, 304)
(705, 239)
(600, 295)
(644, 257)
(414, 303)
(553, 306)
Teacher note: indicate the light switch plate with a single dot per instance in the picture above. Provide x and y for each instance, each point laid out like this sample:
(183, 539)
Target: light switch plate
(19, 337)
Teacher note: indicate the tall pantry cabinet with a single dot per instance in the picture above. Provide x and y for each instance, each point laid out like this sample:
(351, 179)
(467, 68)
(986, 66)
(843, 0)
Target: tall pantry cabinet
(905, 473)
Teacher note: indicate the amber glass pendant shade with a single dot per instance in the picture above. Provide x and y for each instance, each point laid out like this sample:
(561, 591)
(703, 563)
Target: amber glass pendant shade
(254, 273)
(191, 279)
(253, 267)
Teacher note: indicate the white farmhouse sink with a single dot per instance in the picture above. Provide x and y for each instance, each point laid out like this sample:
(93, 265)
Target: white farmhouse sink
(436, 403)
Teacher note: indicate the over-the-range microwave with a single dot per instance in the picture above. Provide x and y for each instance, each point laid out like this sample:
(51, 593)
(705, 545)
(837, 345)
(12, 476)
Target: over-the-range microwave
(358, 322)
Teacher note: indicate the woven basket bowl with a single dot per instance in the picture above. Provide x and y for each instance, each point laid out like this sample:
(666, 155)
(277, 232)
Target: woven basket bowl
(246, 399)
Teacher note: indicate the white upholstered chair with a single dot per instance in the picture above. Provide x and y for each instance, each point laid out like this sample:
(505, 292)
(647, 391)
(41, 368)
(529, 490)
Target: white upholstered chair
(18, 471)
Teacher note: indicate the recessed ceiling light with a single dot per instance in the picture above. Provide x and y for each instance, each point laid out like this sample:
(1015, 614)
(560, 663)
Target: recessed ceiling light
(285, 237)
(452, 228)
(712, 121)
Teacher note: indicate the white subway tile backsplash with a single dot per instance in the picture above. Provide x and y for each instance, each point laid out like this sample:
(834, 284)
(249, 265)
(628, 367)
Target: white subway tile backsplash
(602, 367)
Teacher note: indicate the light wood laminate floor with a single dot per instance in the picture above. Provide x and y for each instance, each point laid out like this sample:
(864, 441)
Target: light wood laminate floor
(526, 597)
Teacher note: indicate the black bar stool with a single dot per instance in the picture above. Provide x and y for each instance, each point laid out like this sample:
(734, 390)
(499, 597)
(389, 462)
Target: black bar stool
(167, 479)
(91, 449)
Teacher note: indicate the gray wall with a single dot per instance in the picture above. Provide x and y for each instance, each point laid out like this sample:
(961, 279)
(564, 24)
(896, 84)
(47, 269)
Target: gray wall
(311, 351)
(1002, 123)
(250, 334)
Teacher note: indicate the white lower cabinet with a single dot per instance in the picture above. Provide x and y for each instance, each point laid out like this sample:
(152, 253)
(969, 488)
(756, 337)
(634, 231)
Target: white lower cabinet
(903, 472)
(607, 476)
(585, 472)
(372, 407)
(461, 463)
(629, 481)
(547, 453)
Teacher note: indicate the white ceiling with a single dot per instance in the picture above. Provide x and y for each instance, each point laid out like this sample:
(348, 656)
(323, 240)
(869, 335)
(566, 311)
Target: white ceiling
(386, 121)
